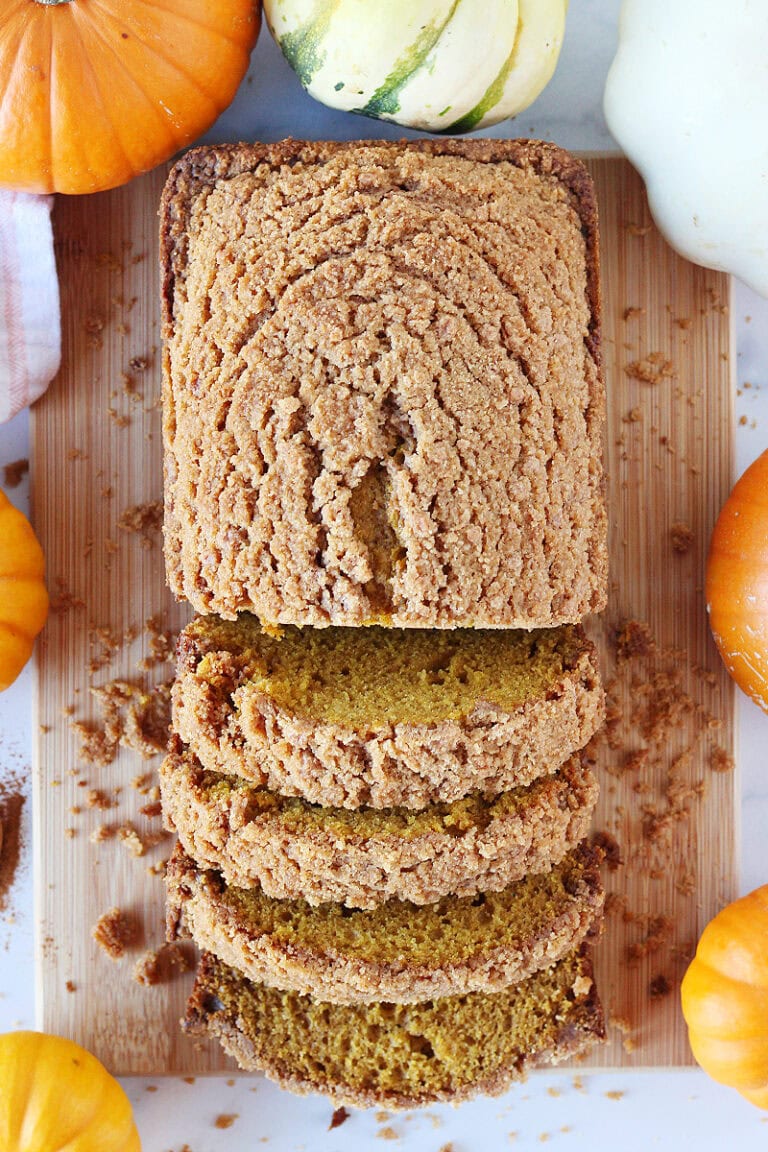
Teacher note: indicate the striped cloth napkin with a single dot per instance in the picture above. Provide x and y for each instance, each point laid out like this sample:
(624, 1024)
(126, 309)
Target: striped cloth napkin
(30, 324)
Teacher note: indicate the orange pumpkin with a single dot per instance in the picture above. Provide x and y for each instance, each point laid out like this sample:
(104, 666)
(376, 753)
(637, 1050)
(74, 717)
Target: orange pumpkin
(23, 598)
(737, 582)
(55, 1095)
(725, 997)
(93, 92)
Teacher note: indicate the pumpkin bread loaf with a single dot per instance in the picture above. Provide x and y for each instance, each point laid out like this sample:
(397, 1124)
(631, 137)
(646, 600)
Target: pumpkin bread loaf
(400, 1055)
(398, 952)
(363, 857)
(382, 386)
(377, 717)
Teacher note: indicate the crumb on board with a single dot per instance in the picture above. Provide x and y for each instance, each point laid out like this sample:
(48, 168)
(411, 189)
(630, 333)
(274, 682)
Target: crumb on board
(70, 986)
(633, 639)
(609, 846)
(658, 933)
(659, 987)
(721, 761)
(651, 369)
(682, 538)
(615, 903)
(162, 643)
(624, 1028)
(633, 312)
(160, 965)
(114, 932)
(387, 1133)
(131, 840)
(144, 520)
(133, 716)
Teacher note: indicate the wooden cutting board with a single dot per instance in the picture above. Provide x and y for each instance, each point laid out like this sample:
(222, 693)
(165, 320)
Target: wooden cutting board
(669, 789)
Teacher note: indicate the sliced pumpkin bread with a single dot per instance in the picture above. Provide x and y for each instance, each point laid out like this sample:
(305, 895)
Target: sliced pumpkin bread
(362, 858)
(400, 1055)
(380, 717)
(399, 951)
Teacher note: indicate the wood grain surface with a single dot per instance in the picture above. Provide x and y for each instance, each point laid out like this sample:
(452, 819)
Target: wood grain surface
(669, 790)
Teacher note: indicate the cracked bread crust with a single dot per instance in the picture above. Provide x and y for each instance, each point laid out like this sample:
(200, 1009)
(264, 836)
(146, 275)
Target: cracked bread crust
(400, 1056)
(383, 397)
(363, 858)
(475, 944)
(233, 725)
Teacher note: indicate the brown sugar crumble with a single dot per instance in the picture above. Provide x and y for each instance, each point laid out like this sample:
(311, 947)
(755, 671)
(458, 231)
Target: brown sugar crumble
(114, 932)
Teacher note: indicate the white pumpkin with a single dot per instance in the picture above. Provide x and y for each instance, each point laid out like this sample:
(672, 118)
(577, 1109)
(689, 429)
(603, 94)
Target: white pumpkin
(686, 98)
(436, 65)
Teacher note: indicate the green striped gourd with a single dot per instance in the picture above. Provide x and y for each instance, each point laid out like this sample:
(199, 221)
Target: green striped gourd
(436, 65)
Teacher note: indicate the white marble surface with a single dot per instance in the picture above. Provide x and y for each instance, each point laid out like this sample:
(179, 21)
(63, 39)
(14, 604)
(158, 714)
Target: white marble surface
(634, 1112)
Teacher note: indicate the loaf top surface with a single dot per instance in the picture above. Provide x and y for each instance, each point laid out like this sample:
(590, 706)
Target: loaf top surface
(382, 388)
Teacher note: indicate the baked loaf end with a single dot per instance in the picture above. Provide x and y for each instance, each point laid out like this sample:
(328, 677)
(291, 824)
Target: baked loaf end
(376, 717)
(400, 1055)
(382, 386)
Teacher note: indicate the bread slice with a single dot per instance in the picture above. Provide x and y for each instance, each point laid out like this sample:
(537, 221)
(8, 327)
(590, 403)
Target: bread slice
(362, 858)
(399, 952)
(400, 1055)
(382, 396)
(375, 717)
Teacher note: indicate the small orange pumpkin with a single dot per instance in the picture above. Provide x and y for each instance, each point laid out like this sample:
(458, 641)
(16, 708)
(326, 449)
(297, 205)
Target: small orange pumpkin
(23, 598)
(55, 1095)
(725, 997)
(93, 92)
(737, 582)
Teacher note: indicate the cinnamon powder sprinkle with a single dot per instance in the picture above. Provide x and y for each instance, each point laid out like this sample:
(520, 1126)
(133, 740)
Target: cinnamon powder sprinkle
(11, 808)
